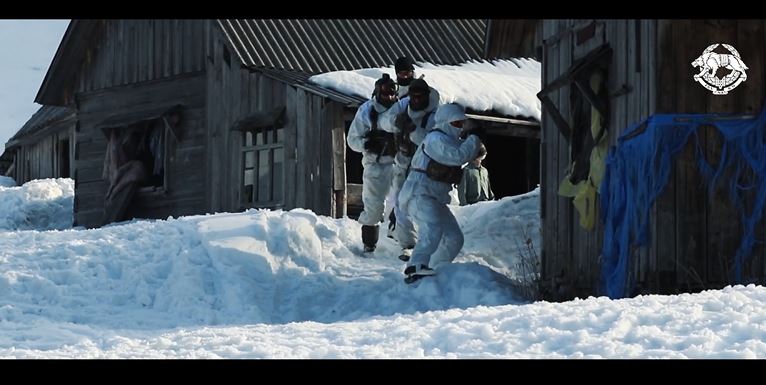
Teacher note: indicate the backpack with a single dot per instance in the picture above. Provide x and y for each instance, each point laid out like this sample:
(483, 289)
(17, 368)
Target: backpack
(441, 172)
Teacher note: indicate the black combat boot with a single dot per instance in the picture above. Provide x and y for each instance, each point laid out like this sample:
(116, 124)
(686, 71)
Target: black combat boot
(369, 237)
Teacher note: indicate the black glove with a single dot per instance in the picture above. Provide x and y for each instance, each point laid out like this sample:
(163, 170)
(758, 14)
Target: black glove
(404, 123)
(374, 144)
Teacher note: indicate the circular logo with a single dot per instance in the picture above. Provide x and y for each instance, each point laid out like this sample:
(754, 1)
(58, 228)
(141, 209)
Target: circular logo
(710, 62)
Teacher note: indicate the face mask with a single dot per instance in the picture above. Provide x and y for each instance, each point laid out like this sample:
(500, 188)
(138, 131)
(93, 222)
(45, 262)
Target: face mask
(387, 96)
(418, 102)
(403, 81)
(405, 77)
(385, 101)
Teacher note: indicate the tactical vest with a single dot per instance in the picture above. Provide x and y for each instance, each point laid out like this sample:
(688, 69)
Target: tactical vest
(389, 143)
(441, 172)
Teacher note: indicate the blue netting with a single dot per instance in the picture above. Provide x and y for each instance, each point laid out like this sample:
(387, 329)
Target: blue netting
(638, 168)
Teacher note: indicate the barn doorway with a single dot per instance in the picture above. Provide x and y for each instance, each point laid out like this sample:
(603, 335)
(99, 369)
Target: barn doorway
(513, 164)
(63, 161)
(354, 171)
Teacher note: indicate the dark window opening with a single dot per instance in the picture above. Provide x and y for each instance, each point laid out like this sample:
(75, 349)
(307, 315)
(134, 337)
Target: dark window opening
(63, 158)
(135, 161)
(583, 140)
(513, 164)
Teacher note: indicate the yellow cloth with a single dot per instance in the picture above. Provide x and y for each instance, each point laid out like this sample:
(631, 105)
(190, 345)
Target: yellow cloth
(585, 191)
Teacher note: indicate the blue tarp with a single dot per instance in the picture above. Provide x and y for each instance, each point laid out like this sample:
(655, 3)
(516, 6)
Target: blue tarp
(638, 168)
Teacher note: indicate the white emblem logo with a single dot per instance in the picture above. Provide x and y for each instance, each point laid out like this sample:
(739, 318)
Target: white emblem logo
(710, 62)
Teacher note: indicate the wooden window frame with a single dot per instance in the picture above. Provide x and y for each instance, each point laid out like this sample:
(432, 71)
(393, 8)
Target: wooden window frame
(270, 146)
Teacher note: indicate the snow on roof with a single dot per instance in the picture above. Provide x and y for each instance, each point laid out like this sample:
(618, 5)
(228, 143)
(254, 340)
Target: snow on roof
(506, 86)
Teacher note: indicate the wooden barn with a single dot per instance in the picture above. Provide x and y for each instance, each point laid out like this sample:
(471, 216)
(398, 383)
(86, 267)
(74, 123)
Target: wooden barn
(203, 116)
(43, 147)
(601, 77)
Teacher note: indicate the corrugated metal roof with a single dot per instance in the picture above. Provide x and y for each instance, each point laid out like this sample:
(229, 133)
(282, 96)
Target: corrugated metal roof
(41, 119)
(317, 46)
(301, 79)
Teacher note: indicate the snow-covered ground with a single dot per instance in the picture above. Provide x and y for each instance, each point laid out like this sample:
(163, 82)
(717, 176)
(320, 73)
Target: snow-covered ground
(44, 204)
(276, 284)
(7, 181)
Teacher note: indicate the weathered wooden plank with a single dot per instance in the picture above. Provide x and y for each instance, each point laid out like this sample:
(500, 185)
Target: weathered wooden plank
(118, 54)
(213, 165)
(634, 102)
(545, 276)
(125, 57)
(666, 93)
(128, 56)
(597, 39)
(326, 156)
(690, 201)
(580, 253)
(722, 224)
(133, 54)
(232, 94)
(623, 115)
(354, 194)
(577, 258)
(178, 46)
(291, 128)
(89, 174)
(139, 50)
(92, 149)
(240, 93)
(321, 134)
(749, 99)
(300, 161)
(106, 75)
(209, 35)
(339, 162)
(140, 47)
(151, 96)
(565, 214)
(310, 150)
(159, 47)
(186, 49)
(198, 45)
(167, 49)
(149, 39)
(754, 32)
(256, 84)
(149, 205)
(552, 262)
(645, 56)
(89, 219)
(147, 67)
(313, 126)
(547, 247)
(592, 243)
(231, 86)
